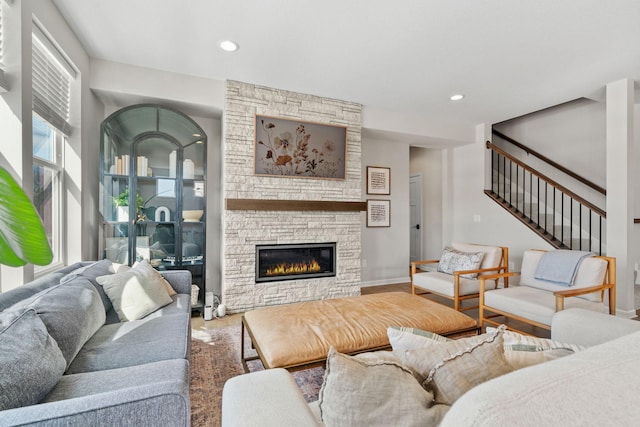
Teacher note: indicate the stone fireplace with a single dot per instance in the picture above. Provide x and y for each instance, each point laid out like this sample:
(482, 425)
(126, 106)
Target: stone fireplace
(304, 220)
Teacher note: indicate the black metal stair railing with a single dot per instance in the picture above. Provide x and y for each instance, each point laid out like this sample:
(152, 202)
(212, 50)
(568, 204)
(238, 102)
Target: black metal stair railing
(555, 213)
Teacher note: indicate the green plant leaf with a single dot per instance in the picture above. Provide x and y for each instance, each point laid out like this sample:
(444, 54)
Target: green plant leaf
(22, 236)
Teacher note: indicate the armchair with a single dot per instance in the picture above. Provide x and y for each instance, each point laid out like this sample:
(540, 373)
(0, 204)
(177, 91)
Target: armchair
(535, 301)
(460, 285)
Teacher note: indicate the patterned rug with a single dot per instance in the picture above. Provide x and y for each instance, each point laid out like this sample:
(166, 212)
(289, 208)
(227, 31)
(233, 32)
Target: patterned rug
(215, 357)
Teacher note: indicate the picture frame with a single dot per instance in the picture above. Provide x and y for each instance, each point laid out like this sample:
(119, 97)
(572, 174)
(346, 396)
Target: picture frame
(378, 213)
(301, 149)
(378, 180)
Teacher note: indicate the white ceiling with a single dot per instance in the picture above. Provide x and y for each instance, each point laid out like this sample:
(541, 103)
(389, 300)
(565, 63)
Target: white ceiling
(406, 57)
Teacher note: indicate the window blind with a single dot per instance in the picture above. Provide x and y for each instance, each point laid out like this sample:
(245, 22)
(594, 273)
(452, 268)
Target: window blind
(51, 84)
(3, 84)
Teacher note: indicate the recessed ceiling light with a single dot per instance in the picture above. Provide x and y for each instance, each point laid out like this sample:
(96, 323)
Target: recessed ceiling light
(456, 97)
(228, 45)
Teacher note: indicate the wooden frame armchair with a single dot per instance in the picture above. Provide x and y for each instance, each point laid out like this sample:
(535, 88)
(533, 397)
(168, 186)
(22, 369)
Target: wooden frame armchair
(456, 286)
(535, 301)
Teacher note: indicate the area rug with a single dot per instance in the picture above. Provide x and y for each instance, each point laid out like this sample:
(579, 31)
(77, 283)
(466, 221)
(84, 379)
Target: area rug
(215, 357)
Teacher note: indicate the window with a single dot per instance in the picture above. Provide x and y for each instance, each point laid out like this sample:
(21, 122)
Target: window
(48, 143)
(51, 81)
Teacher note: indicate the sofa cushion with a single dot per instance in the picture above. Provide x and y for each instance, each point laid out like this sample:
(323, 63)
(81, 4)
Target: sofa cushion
(591, 272)
(72, 312)
(137, 292)
(452, 368)
(364, 391)
(595, 387)
(134, 343)
(452, 260)
(31, 362)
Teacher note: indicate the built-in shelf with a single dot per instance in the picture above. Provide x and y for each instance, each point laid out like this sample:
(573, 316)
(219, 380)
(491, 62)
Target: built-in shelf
(293, 205)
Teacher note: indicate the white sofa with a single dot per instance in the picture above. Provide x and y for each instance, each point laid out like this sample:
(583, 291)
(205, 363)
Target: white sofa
(597, 386)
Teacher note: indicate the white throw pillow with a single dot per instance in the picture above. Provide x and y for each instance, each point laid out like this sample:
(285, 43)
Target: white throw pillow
(402, 338)
(135, 293)
(524, 350)
(159, 276)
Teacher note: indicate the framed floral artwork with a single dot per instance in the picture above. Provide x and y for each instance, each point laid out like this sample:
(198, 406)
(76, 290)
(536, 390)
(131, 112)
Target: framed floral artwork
(295, 148)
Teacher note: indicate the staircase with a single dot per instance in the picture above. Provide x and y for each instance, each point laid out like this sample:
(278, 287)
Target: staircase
(558, 215)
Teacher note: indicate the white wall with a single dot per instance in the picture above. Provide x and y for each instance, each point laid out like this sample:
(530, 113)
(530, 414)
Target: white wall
(495, 226)
(428, 163)
(385, 251)
(572, 134)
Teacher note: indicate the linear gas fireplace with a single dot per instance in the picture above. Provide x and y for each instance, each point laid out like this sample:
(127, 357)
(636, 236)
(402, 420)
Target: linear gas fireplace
(295, 261)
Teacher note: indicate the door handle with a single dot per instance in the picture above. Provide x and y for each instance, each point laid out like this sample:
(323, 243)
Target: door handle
(417, 226)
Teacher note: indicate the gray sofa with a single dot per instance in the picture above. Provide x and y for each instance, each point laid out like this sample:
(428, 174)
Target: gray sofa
(596, 386)
(111, 372)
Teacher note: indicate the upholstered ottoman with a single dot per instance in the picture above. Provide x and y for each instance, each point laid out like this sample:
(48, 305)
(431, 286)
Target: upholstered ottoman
(298, 336)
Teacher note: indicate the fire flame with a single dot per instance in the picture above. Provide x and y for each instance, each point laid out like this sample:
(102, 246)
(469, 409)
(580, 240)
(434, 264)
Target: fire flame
(299, 268)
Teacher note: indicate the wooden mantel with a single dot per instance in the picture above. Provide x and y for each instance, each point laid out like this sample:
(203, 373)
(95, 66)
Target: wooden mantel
(293, 205)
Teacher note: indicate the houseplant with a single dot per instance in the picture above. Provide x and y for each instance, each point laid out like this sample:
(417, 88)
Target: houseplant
(121, 203)
(22, 237)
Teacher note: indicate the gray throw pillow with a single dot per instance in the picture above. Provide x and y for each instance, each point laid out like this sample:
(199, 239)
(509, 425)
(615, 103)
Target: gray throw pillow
(31, 362)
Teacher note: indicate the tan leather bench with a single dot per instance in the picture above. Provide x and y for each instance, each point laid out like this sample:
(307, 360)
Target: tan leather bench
(298, 336)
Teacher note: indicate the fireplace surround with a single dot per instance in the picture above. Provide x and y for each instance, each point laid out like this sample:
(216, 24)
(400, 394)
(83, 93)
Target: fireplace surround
(295, 261)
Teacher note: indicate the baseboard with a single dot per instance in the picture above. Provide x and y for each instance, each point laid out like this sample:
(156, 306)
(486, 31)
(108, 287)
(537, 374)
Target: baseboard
(393, 281)
(627, 314)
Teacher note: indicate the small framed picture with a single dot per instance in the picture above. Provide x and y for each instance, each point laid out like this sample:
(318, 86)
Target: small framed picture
(378, 180)
(378, 213)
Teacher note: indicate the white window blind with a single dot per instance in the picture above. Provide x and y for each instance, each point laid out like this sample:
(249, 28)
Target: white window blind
(51, 83)
(3, 84)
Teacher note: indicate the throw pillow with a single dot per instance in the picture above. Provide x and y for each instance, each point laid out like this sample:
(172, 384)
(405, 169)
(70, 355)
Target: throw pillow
(368, 390)
(135, 293)
(157, 275)
(452, 260)
(402, 338)
(452, 368)
(523, 350)
(32, 363)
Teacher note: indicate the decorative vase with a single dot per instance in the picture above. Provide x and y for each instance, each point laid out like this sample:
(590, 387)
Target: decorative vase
(122, 213)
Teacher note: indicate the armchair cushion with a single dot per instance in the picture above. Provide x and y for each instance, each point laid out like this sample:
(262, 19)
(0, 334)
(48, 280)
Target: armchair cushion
(492, 254)
(453, 260)
(529, 303)
(591, 272)
(442, 283)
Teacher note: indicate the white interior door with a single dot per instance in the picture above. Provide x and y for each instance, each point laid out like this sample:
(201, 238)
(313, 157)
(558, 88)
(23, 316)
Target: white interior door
(415, 213)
